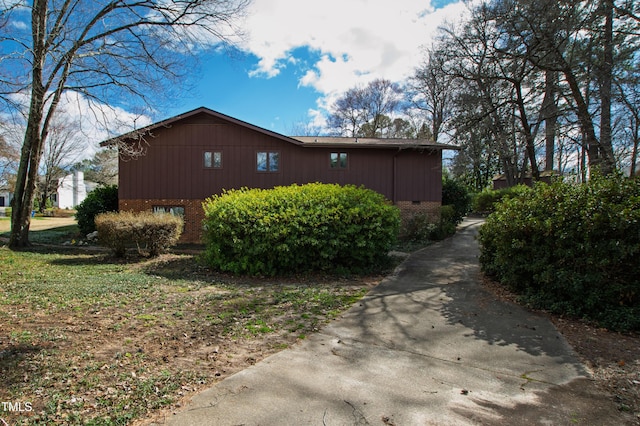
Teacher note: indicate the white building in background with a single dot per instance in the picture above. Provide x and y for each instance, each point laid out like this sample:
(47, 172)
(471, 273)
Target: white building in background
(72, 190)
(5, 198)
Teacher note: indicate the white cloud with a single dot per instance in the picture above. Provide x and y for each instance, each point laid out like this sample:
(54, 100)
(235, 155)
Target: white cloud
(98, 121)
(95, 121)
(357, 40)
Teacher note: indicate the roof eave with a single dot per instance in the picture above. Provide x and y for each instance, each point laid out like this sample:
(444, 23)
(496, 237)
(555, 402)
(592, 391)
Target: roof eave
(136, 134)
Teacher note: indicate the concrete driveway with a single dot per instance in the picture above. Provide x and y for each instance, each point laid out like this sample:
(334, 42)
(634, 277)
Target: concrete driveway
(428, 346)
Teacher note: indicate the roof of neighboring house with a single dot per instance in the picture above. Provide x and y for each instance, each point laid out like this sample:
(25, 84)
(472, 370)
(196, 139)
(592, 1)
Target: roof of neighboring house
(305, 141)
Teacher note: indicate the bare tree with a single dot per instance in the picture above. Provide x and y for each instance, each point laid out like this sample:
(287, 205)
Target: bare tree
(62, 148)
(102, 168)
(432, 91)
(9, 156)
(106, 51)
(366, 111)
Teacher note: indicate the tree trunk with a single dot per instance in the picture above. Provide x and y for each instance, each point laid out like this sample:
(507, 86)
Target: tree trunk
(635, 129)
(590, 141)
(526, 128)
(550, 115)
(606, 70)
(27, 175)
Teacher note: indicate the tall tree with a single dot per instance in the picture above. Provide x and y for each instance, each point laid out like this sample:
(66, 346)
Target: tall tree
(118, 49)
(432, 91)
(366, 111)
(62, 148)
(102, 168)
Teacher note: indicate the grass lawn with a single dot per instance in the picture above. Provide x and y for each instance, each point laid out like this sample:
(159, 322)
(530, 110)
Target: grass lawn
(89, 339)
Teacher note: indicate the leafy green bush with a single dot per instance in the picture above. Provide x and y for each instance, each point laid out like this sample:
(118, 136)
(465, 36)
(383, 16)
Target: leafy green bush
(101, 200)
(150, 232)
(485, 201)
(419, 228)
(571, 249)
(456, 194)
(298, 228)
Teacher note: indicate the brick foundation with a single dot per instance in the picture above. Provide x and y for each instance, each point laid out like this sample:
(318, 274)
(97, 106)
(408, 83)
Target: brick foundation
(194, 215)
(408, 209)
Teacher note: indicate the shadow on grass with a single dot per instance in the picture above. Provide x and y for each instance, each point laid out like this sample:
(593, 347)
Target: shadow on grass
(11, 360)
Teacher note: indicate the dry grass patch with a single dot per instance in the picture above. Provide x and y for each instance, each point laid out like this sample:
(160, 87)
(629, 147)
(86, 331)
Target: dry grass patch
(88, 339)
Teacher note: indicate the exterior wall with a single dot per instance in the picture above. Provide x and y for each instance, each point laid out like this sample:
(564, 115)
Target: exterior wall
(71, 191)
(173, 166)
(5, 199)
(172, 172)
(408, 209)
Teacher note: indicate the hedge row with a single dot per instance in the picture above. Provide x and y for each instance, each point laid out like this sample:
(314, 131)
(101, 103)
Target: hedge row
(485, 201)
(571, 249)
(149, 232)
(298, 228)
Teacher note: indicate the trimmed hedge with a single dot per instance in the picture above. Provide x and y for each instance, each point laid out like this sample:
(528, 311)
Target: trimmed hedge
(101, 200)
(150, 232)
(321, 227)
(571, 249)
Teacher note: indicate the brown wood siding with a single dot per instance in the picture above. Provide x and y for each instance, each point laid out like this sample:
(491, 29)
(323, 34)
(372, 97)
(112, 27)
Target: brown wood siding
(173, 166)
(419, 176)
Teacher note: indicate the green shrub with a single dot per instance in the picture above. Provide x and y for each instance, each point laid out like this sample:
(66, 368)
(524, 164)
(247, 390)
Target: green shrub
(7, 211)
(456, 194)
(101, 200)
(152, 233)
(485, 201)
(571, 249)
(298, 228)
(419, 228)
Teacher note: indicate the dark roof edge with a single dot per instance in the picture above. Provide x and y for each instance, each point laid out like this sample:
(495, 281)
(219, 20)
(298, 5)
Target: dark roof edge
(351, 142)
(136, 134)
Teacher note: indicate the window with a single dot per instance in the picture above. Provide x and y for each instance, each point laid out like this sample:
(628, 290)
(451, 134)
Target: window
(174, 210)
(338, 160)
(268, 161)
(213, 160)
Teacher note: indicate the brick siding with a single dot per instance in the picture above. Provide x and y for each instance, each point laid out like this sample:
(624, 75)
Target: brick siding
(408, 209)
(194, 215)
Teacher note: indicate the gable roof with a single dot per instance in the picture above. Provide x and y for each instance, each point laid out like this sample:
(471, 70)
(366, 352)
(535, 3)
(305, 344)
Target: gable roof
(304, 141)
(138, 133)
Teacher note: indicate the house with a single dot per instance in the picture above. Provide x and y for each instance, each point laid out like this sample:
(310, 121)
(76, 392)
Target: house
(200, 153)
(72, 190)
(5, 198)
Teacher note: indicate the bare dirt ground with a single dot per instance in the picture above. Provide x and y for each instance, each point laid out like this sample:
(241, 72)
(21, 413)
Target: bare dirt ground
(613, 358)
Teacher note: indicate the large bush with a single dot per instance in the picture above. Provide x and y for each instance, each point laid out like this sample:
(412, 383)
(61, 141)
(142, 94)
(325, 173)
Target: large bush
(456, 194)
(298, 228)
(101, 200)
(149, 232)
(571, 249)
(486, 200)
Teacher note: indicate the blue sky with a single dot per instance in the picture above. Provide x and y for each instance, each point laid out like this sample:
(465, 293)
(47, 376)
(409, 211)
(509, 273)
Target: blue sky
(298, 56)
